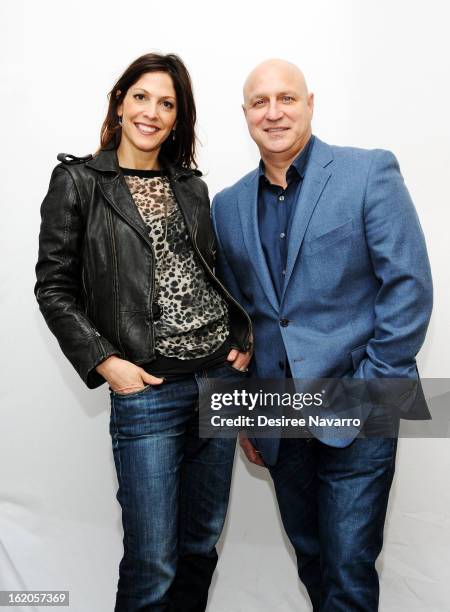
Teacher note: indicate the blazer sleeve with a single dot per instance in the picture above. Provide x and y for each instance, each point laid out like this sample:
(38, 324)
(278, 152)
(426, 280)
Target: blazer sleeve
(58, 279)
(400, 263)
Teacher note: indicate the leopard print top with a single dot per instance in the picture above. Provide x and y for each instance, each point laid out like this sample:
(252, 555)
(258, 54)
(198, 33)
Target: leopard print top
(195, 321)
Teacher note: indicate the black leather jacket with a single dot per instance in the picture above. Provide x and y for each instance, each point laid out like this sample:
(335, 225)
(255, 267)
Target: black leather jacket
(95, 271)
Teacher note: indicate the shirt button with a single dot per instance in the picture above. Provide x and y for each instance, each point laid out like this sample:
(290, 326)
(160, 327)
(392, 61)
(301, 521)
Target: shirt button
(281, 198)
(284, 322)
(283, 272)
(282, 235)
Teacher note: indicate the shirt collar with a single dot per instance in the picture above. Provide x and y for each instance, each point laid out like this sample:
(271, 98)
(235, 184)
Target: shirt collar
(298, 165)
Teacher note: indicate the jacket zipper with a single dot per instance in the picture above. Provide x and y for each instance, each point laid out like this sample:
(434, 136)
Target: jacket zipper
(97, 334)
(83, 283)
(116, 275)
(217, 281)
(247, 345)
(152, 268)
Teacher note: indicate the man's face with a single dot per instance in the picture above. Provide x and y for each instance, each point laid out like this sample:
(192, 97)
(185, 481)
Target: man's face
(278, 109)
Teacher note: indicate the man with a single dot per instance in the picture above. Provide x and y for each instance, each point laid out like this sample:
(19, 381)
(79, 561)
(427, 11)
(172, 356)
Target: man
(323, 248)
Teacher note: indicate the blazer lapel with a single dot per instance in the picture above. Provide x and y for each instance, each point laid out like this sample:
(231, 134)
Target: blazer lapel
(316, 177)
(248, 212)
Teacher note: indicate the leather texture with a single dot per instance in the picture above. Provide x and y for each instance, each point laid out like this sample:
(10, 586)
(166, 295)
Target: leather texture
(95, 269)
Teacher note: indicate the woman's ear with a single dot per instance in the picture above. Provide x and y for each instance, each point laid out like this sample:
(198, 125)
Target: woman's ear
(120, 107)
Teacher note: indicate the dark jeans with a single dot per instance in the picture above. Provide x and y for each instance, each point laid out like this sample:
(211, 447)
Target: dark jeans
(333, 506)
(173, 490)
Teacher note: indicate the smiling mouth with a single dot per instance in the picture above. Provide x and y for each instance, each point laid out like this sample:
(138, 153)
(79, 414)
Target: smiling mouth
(276, 130)
(147, 130)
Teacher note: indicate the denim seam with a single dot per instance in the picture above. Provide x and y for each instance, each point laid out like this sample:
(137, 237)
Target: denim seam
(115, 440)
(393, 456)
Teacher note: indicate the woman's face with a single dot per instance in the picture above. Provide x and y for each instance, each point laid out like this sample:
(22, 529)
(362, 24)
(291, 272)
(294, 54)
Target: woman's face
(148, 111)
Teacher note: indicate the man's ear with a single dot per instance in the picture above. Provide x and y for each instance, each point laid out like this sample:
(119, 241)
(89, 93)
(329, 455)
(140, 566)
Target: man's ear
(244, 109)
(311, 103)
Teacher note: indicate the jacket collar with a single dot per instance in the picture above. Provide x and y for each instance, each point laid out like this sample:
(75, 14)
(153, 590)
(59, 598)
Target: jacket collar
(320, 153)
(298, 166)
(106, 161)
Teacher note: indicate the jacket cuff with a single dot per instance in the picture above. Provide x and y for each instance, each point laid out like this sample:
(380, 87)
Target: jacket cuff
(91, 377)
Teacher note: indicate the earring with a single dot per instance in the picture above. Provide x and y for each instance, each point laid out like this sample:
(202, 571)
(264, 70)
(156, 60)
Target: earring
(120, 120)
(173, 134)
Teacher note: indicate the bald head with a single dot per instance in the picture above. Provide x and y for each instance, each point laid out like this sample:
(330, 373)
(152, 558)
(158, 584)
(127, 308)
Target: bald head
(267, 70)
(278, 109)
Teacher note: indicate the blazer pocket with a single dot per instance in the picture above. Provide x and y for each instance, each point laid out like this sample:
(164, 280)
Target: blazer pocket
(325, 240)
(358, 355)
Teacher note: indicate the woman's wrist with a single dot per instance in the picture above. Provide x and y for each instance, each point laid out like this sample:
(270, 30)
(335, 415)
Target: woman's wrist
(105, 366)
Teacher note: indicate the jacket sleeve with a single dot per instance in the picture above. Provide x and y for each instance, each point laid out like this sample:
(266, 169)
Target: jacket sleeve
(59, 279)
(400, 262)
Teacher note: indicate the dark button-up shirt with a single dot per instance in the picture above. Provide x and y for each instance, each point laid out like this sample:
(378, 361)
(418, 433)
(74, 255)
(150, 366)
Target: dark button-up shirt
(275, 210)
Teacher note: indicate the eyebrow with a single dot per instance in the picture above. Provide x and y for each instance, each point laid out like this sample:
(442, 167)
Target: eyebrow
(147, 92)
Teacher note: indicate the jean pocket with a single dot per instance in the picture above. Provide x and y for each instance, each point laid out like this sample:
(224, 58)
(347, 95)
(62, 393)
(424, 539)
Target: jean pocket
(228, 365)
(132, 394)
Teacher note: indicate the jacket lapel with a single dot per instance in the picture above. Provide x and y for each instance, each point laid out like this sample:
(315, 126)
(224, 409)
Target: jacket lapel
(188, 203)
(115, 189)
(119, 197)
(316, 177)
(248, 212)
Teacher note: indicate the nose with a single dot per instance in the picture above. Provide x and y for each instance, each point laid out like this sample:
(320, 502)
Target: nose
(151, 109)
(273, 111)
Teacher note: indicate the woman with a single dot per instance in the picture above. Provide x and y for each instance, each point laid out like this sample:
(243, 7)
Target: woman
(125, 282)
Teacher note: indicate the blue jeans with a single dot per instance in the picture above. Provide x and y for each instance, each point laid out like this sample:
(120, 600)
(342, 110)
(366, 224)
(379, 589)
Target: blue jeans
(333, 507)
(173, 490)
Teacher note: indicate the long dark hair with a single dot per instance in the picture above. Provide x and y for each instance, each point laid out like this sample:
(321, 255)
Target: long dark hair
(179, 151)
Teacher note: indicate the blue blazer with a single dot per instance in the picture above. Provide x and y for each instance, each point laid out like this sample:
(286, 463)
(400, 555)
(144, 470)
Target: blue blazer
(357, 296)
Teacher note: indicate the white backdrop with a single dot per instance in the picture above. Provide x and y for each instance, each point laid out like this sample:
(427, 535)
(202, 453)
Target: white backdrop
(380, 73)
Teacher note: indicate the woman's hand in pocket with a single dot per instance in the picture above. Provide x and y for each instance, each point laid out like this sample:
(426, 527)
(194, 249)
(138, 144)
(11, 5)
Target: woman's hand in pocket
(239, 360)
(124, 376)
